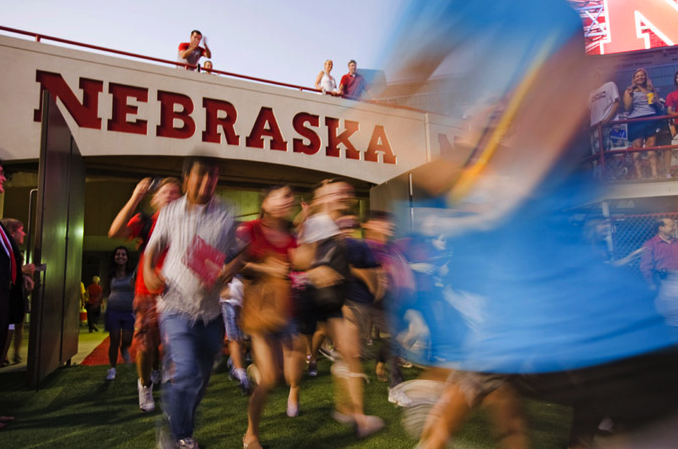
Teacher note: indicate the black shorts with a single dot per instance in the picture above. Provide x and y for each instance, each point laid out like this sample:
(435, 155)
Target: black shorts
(309, 314)
(643, 130)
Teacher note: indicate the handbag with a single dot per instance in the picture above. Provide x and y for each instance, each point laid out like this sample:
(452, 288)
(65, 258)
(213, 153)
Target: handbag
(266, 305)
(331, 253)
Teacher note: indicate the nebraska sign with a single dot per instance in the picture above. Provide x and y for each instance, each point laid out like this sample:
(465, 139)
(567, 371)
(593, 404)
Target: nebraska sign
(120, 107)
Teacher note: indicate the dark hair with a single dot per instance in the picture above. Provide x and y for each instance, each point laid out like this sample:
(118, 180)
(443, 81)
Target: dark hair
(674, 78)
(164, 181)
(12, 225)
(352, 61)
(195, 31)
(190, 161)
(265, 193)
(112, 268)
(381, 215)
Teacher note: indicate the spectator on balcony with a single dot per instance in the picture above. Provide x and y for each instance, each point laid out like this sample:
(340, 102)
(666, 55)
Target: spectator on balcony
(191, 52)
(672, 109)
(326, 82)
(660, 255)
(207, 67)
(603, 101)
(353, 84)
(640, 100)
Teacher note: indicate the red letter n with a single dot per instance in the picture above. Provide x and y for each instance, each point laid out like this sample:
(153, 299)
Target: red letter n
(85, 113)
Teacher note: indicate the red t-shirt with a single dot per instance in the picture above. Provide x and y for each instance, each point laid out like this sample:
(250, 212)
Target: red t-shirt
(94, 291)
(354, 85)
(672, 102)
(259, 247)
(136, 226)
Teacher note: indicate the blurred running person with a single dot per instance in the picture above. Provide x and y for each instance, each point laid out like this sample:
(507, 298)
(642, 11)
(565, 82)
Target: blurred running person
(191, 52)
(231, 306)
(146, 331)
(198, 233)
(323, 255)
(267, 315)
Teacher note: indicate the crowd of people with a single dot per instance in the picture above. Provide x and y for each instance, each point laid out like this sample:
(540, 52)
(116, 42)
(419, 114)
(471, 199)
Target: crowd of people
(352, 84)
(640, 100)
(273, 289)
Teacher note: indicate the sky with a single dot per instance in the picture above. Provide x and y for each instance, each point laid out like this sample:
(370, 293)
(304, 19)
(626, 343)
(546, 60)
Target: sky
(284, 41)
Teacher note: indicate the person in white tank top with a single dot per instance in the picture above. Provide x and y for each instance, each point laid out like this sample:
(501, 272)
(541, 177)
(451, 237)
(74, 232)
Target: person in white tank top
(324, 81)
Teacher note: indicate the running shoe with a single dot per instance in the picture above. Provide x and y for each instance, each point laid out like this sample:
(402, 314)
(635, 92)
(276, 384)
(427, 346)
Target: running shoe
(329, 354)
(146, 403)
(187, 443)
(313, 369)
(111, 374)
(371, 424)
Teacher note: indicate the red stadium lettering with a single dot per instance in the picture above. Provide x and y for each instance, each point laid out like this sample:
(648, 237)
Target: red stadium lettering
(120, 108)
(85, 113)
(333, 140)
(266, 126)
(298, 145)
(379, 144)
(213, 121)
(167, 116)
(624, 20)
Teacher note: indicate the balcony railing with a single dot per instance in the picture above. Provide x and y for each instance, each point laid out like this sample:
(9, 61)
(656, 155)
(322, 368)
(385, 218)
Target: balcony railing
(610, 156)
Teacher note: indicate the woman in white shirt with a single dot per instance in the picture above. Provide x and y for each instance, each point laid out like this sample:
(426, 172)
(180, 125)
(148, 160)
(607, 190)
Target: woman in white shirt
(326, 82)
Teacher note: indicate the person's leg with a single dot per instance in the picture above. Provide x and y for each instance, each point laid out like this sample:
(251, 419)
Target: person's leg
(444, 419)
(18, 338)
(183, 385)
(293, 353)
(509, 417)
(90, 317)
(8, 342)
(652, 155)
(125, 343)
(265, 357)
(114, 345)
(637, 143)
(209, 344)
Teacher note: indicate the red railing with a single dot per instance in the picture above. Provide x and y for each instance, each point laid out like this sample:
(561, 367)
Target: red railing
(40, 37)
(603, 153)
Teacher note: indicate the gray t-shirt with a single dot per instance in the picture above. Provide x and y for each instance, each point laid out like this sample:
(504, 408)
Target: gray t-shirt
(641, 107)
(122, 294)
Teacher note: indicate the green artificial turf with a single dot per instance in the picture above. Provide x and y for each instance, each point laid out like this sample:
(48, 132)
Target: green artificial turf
(77, 408)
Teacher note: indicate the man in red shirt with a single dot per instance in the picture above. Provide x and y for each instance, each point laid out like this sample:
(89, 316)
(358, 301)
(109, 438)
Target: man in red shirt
(191, 52)
(660, 253)
(352, 85)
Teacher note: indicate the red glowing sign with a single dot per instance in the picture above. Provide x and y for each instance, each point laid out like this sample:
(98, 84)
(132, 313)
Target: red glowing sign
(613, 26)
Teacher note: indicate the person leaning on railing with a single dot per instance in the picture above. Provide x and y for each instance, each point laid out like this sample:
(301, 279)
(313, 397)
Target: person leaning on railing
(640, 100)
(672, 109)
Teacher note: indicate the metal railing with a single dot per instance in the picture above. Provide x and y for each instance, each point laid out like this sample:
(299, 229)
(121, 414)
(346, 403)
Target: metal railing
(602, 154)
(43, 37)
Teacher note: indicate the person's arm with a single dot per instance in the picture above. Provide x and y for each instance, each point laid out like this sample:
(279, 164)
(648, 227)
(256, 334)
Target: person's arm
(342, 86)
(612, 113)
(628, 98)
(156, 246)
(208, 52)
(647, 265)
(185, 52)
(318, 79)
(119, 227)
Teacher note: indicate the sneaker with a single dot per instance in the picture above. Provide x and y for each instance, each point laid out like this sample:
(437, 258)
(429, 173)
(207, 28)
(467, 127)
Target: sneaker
(156, 377)
(146, 403)
(187, 443)
(329, 354)
(111, 374)
(245, 386)
(371, 424)
(313, 369)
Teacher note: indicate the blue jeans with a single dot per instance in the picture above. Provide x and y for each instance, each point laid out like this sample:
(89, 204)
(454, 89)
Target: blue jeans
(189, 353)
